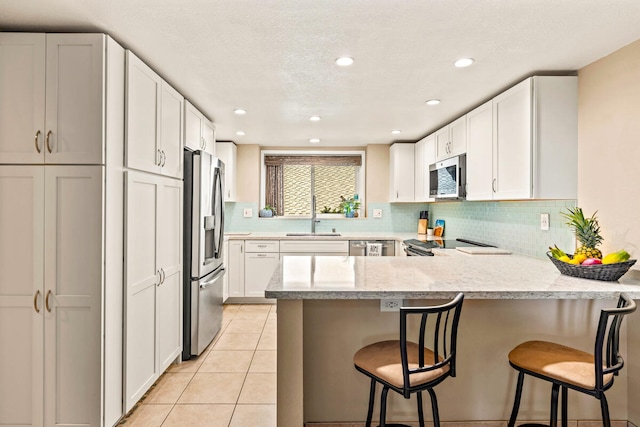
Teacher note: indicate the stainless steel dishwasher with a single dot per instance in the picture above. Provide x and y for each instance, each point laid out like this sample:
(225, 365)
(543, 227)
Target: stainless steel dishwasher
(359, 247)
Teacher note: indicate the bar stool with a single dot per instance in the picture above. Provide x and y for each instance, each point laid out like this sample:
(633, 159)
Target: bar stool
(569, 368)
(408, 367)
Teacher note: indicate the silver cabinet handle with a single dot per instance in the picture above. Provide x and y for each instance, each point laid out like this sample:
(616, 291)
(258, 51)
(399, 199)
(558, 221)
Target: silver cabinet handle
(493, 185)
(262, 246)
(261, 255)
(47, 141)
(35, 298)
(37, 147)
(46, 301)
(164, 158)
(159, 277)
(240, 248)
(158, 158)
(164, 275)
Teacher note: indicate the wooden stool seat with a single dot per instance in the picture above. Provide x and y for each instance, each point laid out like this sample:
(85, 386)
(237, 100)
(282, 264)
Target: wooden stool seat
(559, 362)
(382, 360)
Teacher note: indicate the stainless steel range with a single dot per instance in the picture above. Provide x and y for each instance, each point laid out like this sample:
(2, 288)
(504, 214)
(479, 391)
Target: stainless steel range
(415, 247)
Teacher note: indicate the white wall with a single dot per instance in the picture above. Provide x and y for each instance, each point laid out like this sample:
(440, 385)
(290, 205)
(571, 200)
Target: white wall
(609, 170)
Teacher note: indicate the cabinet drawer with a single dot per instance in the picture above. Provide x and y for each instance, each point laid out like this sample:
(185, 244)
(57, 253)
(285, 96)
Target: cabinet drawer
(262, 246)
(315, 246)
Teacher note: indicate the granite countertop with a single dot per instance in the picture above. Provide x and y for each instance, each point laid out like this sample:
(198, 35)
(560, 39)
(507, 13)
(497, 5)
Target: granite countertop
(366, 235)
(437, 277)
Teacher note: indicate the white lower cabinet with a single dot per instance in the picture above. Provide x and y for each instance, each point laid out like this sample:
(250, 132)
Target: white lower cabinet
(235, 268)
(153, 279)
(51, 278)
(258, 269)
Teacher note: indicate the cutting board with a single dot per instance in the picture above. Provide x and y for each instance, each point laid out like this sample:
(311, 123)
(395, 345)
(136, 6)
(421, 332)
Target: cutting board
(481, 250)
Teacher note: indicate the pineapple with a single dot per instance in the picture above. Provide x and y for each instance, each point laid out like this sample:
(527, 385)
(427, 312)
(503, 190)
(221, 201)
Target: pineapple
(587, 232)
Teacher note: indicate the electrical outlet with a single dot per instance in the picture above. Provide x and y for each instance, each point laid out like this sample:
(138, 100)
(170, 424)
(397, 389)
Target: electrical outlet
(377, 213)
(390, 304)
(248, 212)
(544, 221)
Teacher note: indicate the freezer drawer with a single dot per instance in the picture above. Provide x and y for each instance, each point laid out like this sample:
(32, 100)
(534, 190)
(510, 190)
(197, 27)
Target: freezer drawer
(206, 310)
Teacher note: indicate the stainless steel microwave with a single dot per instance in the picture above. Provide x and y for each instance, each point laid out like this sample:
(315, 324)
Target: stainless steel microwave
(448, 178)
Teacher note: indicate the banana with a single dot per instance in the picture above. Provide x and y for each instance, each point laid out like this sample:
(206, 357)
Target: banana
(556, 252)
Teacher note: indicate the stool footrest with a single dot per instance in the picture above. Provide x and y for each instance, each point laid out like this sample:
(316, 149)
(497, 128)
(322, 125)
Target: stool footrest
(533, 425)
(399, 425)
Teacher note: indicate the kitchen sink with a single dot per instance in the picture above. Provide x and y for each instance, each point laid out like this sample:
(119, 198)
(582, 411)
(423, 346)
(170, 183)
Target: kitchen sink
(312, 234)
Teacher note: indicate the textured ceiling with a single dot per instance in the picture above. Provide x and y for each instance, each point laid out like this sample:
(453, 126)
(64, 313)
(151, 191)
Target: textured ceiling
(275, 58)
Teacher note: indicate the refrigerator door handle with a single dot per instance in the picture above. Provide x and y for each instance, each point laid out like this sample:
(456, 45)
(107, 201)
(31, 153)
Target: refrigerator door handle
(214, 279)
(219, 205)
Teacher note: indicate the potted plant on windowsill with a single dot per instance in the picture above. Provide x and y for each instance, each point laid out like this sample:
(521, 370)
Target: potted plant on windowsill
(350, 207)
(267, 212)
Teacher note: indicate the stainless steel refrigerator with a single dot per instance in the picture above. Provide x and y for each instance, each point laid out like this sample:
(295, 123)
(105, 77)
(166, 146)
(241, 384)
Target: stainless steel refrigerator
(203, 250)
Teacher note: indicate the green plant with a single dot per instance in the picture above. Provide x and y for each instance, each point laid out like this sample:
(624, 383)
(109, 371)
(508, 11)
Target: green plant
(349, 205)
(270, 208)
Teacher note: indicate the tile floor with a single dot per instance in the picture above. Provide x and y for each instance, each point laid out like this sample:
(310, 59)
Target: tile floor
(232, 384)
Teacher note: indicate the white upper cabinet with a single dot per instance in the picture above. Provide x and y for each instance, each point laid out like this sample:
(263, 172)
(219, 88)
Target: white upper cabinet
(401, 164)
(480, 153)
(425, 155)
(227, 152)
(52, 103)
(153, 121)
(199, 132)
(532, 142)
(451, 140)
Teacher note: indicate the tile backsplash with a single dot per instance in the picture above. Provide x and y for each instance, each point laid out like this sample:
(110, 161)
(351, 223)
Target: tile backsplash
(510, 225)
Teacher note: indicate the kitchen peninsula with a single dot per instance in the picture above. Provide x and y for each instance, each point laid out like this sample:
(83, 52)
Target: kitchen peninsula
(328, 308)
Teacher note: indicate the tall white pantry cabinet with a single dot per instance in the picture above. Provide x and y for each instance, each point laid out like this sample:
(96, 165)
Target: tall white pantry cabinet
(61, 227)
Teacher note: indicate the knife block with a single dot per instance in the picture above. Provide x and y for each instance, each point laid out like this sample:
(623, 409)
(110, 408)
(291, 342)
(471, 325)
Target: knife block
(423, 224)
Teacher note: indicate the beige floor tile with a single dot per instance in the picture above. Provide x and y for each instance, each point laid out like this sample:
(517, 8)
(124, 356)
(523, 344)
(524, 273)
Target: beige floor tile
(258, 388)
(253, 416)
(264, 361)
(255, 308)
(169, 387)
(199, 415)
(245, 326)
(267, 342)
(252, 315)
(188, 365)
(274, 308)
(237, 342)
(207, 387)
(227, 361)
(147, 416)
(230, 308)
(272, 316)
(270, 327)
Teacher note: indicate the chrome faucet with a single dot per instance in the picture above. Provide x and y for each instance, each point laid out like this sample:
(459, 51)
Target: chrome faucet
(313, 214)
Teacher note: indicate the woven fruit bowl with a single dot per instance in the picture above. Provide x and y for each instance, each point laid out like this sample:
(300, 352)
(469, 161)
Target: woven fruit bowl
(606, 272)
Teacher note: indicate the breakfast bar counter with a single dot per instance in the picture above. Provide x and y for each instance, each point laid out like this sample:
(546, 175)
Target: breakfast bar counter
(328, 308)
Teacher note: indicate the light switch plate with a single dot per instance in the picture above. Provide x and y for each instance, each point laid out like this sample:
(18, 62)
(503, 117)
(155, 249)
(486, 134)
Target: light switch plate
(544, 221)
(377, 213)
(248, 212)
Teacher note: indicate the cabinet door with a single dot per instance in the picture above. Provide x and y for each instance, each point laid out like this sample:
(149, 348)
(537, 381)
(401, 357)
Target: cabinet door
(209, 136)
(171, 132)
(235, 269)
(512, 142)
(192, 127)
(74, 99)
(141, 278)
(142, 116)
(418, 172)
(227, 152)
(258, 269)
(429, 159)
(225, 260)
(73, 283)
(22, 71)
(458, 134)
(480, 153)
(401, 172)
(443, 139)
(169, 289)
(21, 295)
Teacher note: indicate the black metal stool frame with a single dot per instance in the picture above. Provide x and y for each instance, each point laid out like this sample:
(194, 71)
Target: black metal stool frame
(613, 363)
(445, 328)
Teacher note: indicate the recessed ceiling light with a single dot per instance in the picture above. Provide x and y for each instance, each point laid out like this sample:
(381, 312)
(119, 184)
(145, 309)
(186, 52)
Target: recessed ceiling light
(344, 61)
(396, 131)
(314, 140)
(433, 102)
(240, 133)
(314, 118)
(463, 62)
(240, 111)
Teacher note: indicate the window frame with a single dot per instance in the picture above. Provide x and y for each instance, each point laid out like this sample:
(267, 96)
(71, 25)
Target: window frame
(360, 177)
